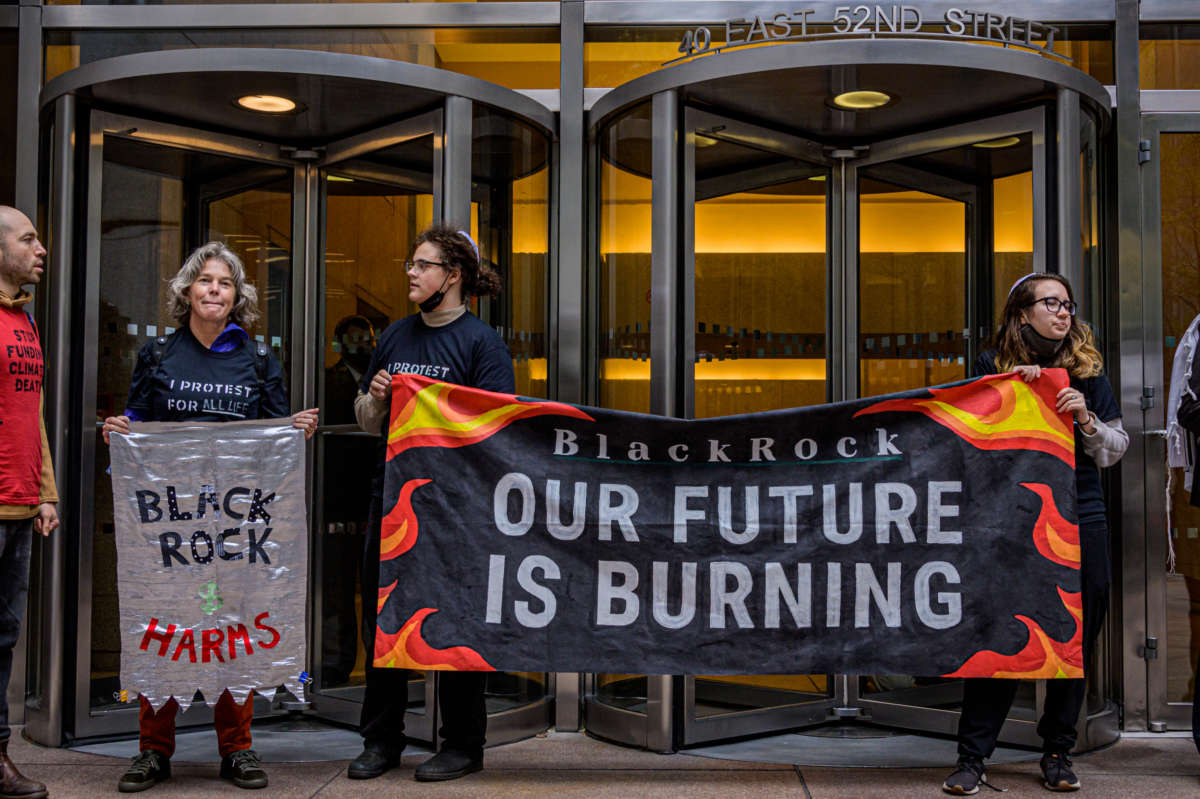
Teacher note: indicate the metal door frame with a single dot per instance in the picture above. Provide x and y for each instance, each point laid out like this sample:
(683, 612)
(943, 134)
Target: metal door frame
(87, 723)
(1149, 611)
(1032, 121)
(842, 257)
(810, 157)
(451, 186)
(343, 704)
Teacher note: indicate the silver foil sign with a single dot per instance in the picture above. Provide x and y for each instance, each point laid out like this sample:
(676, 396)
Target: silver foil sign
(212, 558)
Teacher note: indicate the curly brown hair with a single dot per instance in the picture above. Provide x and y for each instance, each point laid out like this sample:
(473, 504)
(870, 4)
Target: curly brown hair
(1078, 356)
(478, 279)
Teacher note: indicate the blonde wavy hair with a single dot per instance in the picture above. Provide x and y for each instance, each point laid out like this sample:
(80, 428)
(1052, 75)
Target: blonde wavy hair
(1078, 355)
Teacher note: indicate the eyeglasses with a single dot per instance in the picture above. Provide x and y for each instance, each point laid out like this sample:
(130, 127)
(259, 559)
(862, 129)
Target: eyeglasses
(1053, 304)
(420, 265)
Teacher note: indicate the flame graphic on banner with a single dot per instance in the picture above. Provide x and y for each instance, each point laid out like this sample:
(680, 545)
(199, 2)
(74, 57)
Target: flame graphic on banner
(428, 413)
(398, 531)
(1042, 657)
(998, 412)
(406, 649)
(384, 593)
(1056, 538)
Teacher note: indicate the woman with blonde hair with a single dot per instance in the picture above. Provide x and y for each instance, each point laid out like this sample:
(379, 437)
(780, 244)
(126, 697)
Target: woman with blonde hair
(1039, 330)
(208, 370)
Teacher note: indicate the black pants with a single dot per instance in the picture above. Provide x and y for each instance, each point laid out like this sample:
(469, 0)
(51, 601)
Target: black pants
(986, 701)
(1196, 708)
(16, 537)
(460, 693)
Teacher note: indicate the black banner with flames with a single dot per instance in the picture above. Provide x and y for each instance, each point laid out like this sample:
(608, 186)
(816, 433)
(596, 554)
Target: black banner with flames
(930, 532)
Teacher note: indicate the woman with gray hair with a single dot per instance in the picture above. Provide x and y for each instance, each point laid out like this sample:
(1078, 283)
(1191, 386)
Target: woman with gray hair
(208, 370)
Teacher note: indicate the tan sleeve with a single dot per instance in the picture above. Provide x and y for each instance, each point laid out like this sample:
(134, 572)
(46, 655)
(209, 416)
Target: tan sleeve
(370, 413)
(49, 489)
(1107, 443)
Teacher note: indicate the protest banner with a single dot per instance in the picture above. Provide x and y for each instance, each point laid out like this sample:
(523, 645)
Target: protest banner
(930, 532)
(212, 558)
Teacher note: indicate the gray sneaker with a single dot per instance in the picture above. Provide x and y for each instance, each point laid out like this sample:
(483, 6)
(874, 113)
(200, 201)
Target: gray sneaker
(966, 778)
(1057, 773)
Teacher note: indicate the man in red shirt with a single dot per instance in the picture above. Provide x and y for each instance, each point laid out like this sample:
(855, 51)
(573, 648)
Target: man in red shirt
(27, 491)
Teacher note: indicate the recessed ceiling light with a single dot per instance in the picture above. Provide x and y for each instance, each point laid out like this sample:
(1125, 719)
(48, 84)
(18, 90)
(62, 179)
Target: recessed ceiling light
(338, 179)
(996, 144)
(267, 103)
(704, 141)
(862, 100)
(817, 177)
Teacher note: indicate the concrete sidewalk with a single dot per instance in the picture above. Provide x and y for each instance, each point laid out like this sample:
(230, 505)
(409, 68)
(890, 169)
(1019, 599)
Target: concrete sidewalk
(573, 765)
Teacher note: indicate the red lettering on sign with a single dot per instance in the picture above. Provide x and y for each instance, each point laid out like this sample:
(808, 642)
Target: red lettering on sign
(163, 638)
(188, 641)
(212, 644)
(235, 634)
(266, 628)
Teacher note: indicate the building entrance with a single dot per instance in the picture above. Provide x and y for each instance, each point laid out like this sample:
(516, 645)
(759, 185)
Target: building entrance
(809, 223)
(322, 203)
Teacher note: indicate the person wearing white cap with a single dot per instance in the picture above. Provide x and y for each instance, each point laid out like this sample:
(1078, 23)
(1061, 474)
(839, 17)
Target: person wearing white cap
(1039, 330)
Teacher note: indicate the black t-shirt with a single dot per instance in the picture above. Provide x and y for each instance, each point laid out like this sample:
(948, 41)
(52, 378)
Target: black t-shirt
(193, 383)
(466, 352)
(1100, 400)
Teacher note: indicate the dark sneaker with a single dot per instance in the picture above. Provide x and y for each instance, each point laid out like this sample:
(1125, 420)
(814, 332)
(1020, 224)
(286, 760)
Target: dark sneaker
(243, 769)
(148, 769)
(966, 778)
(1056, 769)
(449, 764)
(375, 759)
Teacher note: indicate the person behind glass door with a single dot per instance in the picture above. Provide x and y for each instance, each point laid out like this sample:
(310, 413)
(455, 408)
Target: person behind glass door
(1038, 330)
(213, 305)
(348, 464)
(1183, 451)
(28, 495)
(447, 340)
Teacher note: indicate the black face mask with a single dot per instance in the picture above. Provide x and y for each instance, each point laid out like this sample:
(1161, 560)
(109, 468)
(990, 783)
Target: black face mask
(430, 303)
(1044, 349)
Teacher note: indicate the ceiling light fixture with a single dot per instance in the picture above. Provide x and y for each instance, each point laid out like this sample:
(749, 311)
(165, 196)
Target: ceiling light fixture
(997, 144)
(267, 103)
(861, 100)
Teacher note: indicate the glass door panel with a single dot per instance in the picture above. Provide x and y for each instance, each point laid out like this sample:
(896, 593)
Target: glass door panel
(759, 244)
(914, 240)
(926, 251)
(510, 177)
(623, 349)
(1012, 236)
(510, 219)
(1175, 596)
(760, 259)
(912, 281)
(156, 204)
(374, 205)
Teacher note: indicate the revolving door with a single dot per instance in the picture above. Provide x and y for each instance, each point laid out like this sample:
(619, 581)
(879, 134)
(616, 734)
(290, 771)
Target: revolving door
(808, 223)
(150, 156)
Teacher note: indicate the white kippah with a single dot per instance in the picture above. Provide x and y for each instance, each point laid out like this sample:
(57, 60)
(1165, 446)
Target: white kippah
(1021, 280)
(470, 241)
